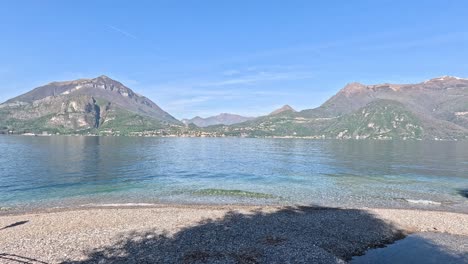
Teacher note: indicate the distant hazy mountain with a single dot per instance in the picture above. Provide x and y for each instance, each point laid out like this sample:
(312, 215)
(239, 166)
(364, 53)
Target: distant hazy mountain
(434, 109)
(99, 103)
(221, 119)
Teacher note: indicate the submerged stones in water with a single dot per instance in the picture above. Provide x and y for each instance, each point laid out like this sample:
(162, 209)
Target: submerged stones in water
(423, 202)
(419, 248)
(236, 193)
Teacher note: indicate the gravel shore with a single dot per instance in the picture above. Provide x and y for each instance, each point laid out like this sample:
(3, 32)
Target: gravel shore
(211, 234)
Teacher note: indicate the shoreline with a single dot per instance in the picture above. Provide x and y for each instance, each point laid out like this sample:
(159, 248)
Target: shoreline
(117, 206)
(316, 138)
(221, 232)
(44, 208)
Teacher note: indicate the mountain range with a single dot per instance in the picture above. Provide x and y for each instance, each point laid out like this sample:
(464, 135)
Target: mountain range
(434, 109)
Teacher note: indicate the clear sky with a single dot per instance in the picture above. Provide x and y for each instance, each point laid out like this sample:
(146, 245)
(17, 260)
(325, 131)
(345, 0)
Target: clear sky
(246, 57)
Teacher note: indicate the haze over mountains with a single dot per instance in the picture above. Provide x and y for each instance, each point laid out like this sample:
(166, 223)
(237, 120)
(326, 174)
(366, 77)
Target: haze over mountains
(221, 119)
(229, 119)
(434, 109)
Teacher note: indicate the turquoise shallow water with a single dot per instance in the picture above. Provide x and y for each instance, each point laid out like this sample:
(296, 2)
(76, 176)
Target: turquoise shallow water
(64, 171)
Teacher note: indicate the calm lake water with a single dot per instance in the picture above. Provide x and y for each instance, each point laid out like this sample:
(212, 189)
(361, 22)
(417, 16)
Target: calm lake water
(67, 171)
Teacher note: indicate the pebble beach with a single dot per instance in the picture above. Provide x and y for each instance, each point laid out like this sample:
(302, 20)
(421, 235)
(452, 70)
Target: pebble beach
(214, 234)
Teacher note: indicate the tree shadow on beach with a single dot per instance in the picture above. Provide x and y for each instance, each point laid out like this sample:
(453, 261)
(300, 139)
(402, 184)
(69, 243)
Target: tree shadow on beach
(463, 192)
(13, 258)
(289, 235)
(15, 224)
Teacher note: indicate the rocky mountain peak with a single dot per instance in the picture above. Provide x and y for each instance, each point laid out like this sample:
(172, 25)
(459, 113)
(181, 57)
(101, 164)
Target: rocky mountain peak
(284, 108)
(103, 77)
(443, 82)
(446, 78)
(353, 87)
(106, 80)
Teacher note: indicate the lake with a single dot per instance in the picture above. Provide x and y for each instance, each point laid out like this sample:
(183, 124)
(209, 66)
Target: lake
(69, 171)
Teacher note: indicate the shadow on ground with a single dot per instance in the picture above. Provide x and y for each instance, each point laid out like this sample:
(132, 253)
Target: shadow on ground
(12, 258)
(15, 224)
(463, 192)
(290, 235)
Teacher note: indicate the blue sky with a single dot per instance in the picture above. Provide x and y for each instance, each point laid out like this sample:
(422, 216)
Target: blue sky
(246, 57)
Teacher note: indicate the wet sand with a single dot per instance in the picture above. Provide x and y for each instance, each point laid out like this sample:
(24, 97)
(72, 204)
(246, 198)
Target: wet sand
(211, 234)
